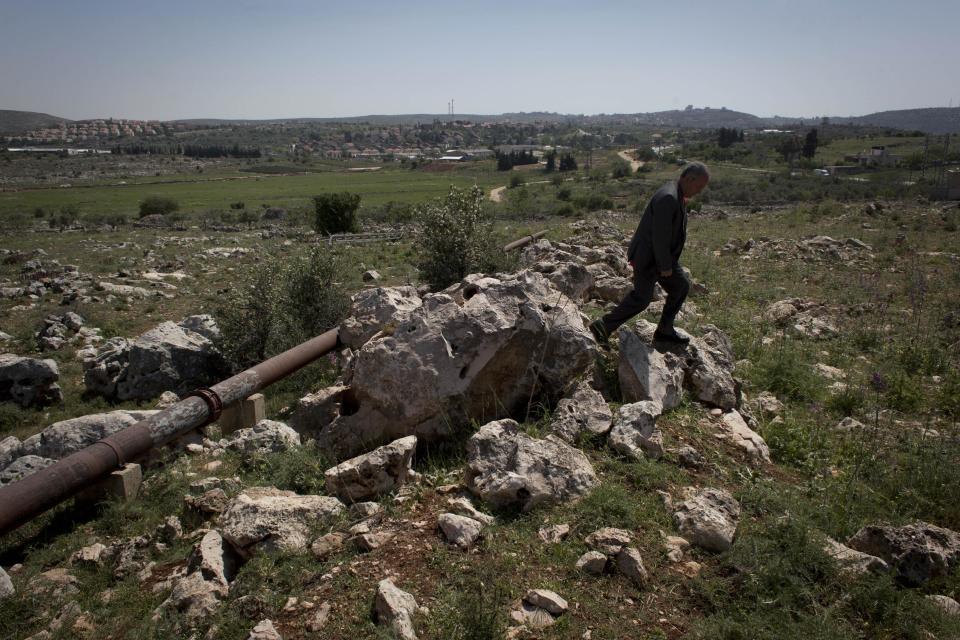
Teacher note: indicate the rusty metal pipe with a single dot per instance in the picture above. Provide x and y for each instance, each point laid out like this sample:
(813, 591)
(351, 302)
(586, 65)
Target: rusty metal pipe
(25, 499)
(522, 242)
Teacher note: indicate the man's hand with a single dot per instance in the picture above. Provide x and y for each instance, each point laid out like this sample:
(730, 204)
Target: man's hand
(666, 274)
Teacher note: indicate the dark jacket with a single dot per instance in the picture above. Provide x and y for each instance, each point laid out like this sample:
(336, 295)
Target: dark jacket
(658, 240)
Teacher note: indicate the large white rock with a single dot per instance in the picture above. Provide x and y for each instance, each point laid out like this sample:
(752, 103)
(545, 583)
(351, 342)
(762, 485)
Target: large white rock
(635, 433)
(853, 561)
(708, 519)
(375, 310)
(264, 517)
(734, 429)
(29, 381)
(168, 357)
(647, 374)
(569, 277)
(395, 608)
(68, 436)
(372, 474)
(459, 530)
(215, 559)
(508, 468)
(485, 348)
(917, 552)
(267, 436)
(23, 467)
(593, 562)
(583, 411)
(709, 369)
(630, 564)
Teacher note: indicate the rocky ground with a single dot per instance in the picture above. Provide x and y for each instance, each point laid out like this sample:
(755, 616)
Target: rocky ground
(480, 468)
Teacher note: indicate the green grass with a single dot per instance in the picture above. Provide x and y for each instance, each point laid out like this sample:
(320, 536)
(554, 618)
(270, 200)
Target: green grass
(375, 188)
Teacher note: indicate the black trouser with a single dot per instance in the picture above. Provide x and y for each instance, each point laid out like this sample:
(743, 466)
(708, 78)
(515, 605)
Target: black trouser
(676, 285)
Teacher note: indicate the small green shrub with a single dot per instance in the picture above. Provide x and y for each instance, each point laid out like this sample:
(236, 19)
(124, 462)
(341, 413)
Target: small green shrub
(337, 212)
(456, 238)
(279, 305)
(517, 180)
(156, 205)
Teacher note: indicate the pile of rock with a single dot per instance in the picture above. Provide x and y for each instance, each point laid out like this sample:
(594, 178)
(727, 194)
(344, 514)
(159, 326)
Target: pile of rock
(170, 357)
(68, 328)
(805, 317)
(809, 249)
(611, 551)
(44, 278)
(485, 347)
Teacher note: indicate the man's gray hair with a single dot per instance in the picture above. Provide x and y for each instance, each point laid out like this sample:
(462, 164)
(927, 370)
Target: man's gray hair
(695, 170)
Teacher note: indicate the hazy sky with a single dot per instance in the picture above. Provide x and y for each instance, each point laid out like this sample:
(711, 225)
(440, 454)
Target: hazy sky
(288, 58)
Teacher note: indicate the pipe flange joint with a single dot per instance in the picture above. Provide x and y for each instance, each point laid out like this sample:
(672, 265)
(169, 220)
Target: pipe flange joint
(214, 403)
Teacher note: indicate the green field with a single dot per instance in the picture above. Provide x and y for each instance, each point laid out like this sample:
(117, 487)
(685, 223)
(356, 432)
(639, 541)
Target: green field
(199, 194)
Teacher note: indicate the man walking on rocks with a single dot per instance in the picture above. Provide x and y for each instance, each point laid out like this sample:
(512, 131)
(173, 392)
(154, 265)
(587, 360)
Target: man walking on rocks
(654, 254)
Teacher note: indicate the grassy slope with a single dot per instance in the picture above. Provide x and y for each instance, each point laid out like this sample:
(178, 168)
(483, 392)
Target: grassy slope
(775, 583)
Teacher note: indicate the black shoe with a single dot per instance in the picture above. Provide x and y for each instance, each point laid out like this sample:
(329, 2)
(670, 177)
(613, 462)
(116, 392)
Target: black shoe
(669, 336)
(600, 333)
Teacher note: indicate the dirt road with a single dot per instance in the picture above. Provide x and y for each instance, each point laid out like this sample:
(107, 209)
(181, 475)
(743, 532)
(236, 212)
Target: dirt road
(628, 156)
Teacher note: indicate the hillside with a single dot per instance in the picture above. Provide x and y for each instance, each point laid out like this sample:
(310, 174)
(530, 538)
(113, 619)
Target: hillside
(14, 122)
(789, 474)
(931, 120)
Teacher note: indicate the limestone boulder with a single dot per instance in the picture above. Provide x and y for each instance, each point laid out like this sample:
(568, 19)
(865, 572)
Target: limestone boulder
(268, 518)
(215, 559)
(569, 277)
(852, 561)
(267, 436)
(168, 357)
(29, 381)
(314, 411)
(593, 563)
(917, 552)
(10, 448)
(507, 468)
(68, 436)
(395, 608)
(734, 429)
(375, 310)
(583, 411)
(609, 540)
(485, 348)
(635, 433)
(648, 374)
(608, 285)
(709, 369)
(193, 597)
(373, 474)
(630, 564)
(459, 530)
(708, 518)
(23, 467)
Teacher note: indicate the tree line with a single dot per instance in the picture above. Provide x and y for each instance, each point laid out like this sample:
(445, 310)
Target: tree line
(189, 150)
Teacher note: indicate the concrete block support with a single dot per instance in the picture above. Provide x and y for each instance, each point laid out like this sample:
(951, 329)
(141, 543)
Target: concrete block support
(123, 484)
(243, 414)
